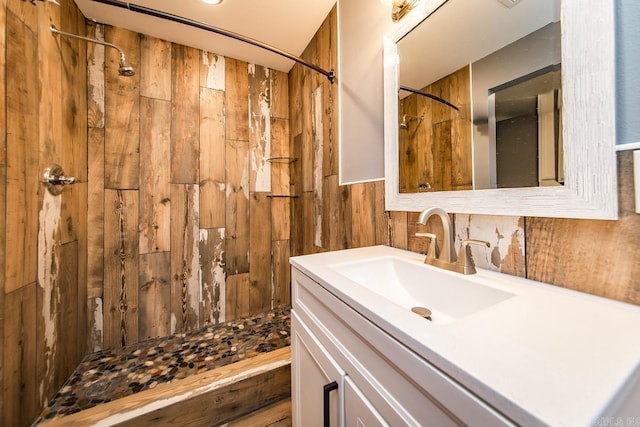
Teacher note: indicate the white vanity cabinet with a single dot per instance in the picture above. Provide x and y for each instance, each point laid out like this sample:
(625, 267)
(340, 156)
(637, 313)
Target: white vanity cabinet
(380, 382)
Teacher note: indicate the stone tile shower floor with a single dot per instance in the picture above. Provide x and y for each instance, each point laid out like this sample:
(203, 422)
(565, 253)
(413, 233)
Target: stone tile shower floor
(108, 375)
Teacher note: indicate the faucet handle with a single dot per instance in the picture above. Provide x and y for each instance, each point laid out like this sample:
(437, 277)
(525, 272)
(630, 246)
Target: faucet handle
(433, 251)
(465, 260)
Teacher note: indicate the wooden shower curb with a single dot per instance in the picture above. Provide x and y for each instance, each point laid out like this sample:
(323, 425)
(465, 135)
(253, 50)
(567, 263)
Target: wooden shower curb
(206, 399)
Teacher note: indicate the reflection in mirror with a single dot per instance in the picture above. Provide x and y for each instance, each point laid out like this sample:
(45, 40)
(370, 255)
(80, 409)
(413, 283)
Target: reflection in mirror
(525, 127)
(465, 149)
(583, 109)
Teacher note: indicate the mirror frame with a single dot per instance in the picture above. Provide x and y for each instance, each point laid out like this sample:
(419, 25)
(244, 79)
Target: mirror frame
(588, 86)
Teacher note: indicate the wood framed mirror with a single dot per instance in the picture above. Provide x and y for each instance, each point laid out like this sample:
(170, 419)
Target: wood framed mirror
(587, 130)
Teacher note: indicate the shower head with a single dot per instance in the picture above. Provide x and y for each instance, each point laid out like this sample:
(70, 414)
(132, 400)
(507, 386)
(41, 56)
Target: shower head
(405, 117)
(124, 69)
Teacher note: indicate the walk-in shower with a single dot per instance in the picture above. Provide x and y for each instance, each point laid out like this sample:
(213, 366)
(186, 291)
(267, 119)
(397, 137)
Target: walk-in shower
(124, 69)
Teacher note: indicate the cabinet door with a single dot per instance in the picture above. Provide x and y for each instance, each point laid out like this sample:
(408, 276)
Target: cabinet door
(358, 411)
(317, 380)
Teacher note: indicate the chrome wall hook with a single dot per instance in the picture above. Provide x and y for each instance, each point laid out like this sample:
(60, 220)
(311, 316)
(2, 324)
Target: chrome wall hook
(55, 180)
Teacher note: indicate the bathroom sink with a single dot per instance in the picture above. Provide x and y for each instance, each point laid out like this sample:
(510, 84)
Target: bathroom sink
(409, 284)
(540, 354)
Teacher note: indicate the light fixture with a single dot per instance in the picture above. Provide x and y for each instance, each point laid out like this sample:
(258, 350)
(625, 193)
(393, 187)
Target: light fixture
(213, 2)
(400, 8)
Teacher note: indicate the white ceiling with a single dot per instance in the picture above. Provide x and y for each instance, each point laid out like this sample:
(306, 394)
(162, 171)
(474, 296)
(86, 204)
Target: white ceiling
(288, 25)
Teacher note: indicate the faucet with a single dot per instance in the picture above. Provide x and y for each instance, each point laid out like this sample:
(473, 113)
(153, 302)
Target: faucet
(446, 258)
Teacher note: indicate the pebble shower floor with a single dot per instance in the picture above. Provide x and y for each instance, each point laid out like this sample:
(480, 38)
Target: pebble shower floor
(108, 375)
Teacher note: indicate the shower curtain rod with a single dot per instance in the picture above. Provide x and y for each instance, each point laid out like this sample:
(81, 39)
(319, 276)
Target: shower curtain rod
(428, 95)
(201, 25)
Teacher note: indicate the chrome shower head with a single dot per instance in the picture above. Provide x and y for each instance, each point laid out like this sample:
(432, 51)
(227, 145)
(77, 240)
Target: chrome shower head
(125, 69)
(405, 117)
(404, 124)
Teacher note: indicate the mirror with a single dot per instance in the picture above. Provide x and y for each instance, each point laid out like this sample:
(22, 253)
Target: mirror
(575, 176)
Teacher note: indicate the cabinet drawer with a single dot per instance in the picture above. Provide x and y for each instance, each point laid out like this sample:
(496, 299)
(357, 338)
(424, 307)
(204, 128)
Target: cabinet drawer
(404, 388)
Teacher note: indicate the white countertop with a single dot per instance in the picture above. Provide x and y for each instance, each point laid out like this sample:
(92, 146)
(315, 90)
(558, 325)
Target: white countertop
(547, 356)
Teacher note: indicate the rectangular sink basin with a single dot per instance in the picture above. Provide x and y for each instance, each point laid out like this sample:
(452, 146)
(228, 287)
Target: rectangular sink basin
(449, 296)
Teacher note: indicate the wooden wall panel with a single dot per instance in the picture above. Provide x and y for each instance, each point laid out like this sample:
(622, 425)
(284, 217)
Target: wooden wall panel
(462, 160)
(212, 71)
(95, 214)
(155, 175)
(212, 159)
(260, 253)
(120, 268)
(237, 295)
(185, 144)
(154, 295)
(338, 211)
(3, 211)
(442, 156)
(398, 230)
(70, 351)
(155, 72)
(20, 382)
(280, 169)
(306, 153)
(22, 154)
(212, 276)
(381, 217)
(363, 215)
(3, 92)
(50, 98)
(237, 206)
(48, 296)
(597, 257)
(122, 102)
(74, 98)
(44, 120)
(236, 99)
(95, 77)
(279, 94)
(185, 258)
(83, 270)
(295, 148)
(25, 13)
(260, 128)
(317, 141)
(281, 251)
(95, 325)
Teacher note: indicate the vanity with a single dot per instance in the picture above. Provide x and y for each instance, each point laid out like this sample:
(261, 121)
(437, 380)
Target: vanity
(496, 350)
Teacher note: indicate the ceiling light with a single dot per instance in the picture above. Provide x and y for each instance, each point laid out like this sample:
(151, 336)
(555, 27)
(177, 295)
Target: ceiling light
(214, 2)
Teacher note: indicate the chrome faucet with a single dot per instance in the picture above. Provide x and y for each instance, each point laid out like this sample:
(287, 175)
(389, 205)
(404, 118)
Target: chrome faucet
(446, 258)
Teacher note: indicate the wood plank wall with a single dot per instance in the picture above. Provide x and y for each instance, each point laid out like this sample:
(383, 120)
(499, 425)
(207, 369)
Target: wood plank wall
(182, 203)
(435, 152)
(598, 257)
(43, 247)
